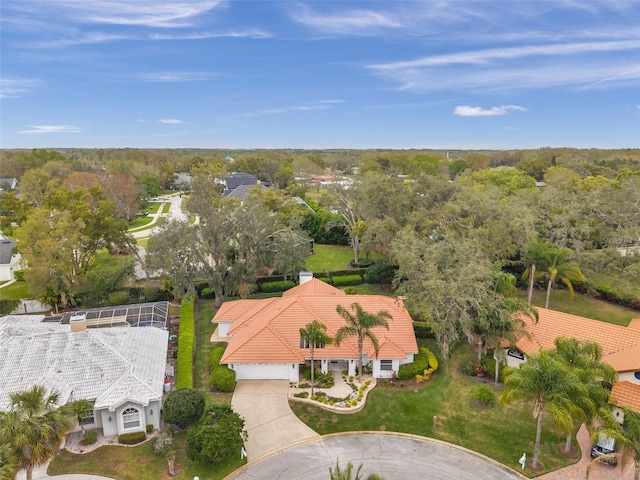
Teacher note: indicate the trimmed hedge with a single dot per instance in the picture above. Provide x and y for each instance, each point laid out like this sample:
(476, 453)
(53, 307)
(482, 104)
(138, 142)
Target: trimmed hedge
(346, 280)
(186, 336)
(132, 438)
(423, 330)
(221, 378)
(282, 286)
(271, 278)
(424, 360)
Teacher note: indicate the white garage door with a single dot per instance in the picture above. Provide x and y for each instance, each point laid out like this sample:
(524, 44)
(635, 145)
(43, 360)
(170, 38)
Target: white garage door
(262, 371)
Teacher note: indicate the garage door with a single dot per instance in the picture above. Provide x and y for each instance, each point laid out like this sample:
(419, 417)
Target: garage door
(262, 371)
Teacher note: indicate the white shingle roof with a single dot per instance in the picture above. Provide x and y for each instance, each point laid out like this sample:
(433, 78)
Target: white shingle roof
(108, 365)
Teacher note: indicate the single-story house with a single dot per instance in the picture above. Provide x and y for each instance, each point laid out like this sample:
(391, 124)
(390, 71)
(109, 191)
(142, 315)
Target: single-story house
(120, 369)
(620, 348)
(265, 342)
(8, 184)
(9, 262)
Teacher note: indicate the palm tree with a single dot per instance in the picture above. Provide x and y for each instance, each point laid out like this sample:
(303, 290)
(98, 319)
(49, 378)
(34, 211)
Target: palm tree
(347, 473)
(80, 408)
(315, 335)
(585, 359)
(537, 259)
(549, 383)
(360, 325)
(34, 426)
(8, 464)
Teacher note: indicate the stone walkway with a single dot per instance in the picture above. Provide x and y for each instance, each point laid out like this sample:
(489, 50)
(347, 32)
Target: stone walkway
(578, 471)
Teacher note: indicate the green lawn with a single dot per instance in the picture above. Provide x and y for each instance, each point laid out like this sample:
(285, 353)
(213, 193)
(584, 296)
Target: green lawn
(16, 291)
(140, 222)
(584, 306)
(501, 433)
(334, 257)
(167, 207)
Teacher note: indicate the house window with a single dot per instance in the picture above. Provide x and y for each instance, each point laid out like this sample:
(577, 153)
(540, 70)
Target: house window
(304, 343)
(637, 375)
(131, 418)
(515, 353)
(386, 365)
(87, 417)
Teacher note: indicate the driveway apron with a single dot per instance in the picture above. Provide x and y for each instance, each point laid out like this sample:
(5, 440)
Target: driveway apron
(269, 421)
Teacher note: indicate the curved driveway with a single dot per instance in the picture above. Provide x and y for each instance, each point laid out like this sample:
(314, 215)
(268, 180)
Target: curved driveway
(393, 456)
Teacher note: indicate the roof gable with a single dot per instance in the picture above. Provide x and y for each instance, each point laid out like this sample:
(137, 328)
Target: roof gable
(627, 394)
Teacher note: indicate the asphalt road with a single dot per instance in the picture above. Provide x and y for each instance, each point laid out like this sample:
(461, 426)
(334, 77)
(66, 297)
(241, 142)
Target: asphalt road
(392, 456)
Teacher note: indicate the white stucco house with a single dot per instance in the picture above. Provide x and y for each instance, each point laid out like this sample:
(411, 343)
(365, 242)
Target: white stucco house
(265, 342)
(9, 262)
(120, 369)
(620, 349)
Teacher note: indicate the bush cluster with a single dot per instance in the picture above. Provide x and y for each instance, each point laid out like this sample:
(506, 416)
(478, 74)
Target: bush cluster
(183, 407)
(89, 438)
(610, 294)
(18, 275)
(423, 361)
(221, 377)
(132, 438)
(281, 286)
(346, 280)
(423, 330)
(163, 442)
(186, 336)
(485, 395)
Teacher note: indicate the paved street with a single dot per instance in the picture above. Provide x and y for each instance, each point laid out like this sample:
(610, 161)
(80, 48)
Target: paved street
(393, 456)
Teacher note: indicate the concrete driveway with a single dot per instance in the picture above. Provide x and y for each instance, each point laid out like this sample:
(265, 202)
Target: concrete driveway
(271, 424)
(393, 456)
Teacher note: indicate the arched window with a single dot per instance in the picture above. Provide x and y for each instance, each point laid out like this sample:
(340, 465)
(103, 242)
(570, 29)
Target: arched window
(131, 418)
(637, 375)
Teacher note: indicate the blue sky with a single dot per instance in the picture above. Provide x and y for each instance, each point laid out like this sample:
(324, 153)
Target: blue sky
(319, 74)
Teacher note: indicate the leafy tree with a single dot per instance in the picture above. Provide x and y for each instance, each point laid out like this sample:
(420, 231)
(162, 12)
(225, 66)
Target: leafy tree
(509, 180)
(315, 335)
(359, 325)
(150, 185)
(34, 426)
(36, 185)
(549, 383)
(219, 434)
(183, 407)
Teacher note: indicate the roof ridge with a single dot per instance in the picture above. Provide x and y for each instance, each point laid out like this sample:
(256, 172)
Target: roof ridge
(283, 341)
(263, 305)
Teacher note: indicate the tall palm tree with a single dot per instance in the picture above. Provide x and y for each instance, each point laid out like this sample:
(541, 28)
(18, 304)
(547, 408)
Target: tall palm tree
(359, 326)
(315, 334)
(585, 359)
(549, 383)
(80, 408)
(536, 259)
(348, 474)
(34, 426)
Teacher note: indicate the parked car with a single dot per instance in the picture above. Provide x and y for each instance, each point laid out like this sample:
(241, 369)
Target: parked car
(605, 446)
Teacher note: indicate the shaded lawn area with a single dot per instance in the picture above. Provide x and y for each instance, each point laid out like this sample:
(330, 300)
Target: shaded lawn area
(167, 207)
(139, 463)
(16, 291)
(583, 305)
(334, 257)
(501, 433)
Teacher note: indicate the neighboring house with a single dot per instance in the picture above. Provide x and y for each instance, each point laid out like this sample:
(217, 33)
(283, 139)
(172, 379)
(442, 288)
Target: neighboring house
(237, 179)
(265, 342)
(620, 348)
(8, 184)
(9, 262)
(120, 369)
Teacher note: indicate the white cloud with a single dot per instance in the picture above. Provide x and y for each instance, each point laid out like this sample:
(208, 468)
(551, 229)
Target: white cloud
(171, 121)
(177, 76)
(318, 105)
(41, 129)
(468, 111)
(140, 120)
(16, 87)
(345, 22)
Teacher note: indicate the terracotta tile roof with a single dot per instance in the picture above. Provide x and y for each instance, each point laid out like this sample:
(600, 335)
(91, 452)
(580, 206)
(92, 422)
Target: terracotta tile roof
(268, 331)
(635, 323)
(627, 394)
(620, 345)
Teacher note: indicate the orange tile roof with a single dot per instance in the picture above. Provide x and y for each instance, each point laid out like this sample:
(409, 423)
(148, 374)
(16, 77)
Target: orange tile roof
(269, 330)
(635, 323)
(627, 394)
(620, 345)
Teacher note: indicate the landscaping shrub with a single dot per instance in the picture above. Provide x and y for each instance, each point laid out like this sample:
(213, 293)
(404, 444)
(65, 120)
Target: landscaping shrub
(8, 305)
(421, 362)
(351, 271)
(219, 434)
(423, 330)
(221, 377)
(132, 438)
(351, 291)
(149, 428)
(186, 335)
(183, 407)
(362, 264)
(505, 371)
(301, 395)
(121, 297)
(208, 293)
(89, 438)
(283, 286)
(19, 275)
(468, 367)
(163, 442)
(381, 273)
(484, 395)
(346, 280)
(271, 278)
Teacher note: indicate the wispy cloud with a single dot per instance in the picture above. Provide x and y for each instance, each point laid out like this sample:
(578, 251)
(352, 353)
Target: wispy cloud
(319, 105)
(42, 129)
(171, 121)
(351, 22)
(468, 111)
(177, 76)
(140, 120)
(16, 87)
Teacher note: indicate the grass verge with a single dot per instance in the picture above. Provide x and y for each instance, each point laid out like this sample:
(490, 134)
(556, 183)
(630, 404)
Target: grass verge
(333, 257)
(16, 291)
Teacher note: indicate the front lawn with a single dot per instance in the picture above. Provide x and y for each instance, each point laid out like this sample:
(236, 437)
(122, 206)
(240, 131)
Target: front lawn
(328, 258)
(502, 433)
(16, 291)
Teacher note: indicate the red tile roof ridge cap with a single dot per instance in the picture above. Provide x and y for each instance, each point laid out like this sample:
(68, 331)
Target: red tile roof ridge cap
(296, 352)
